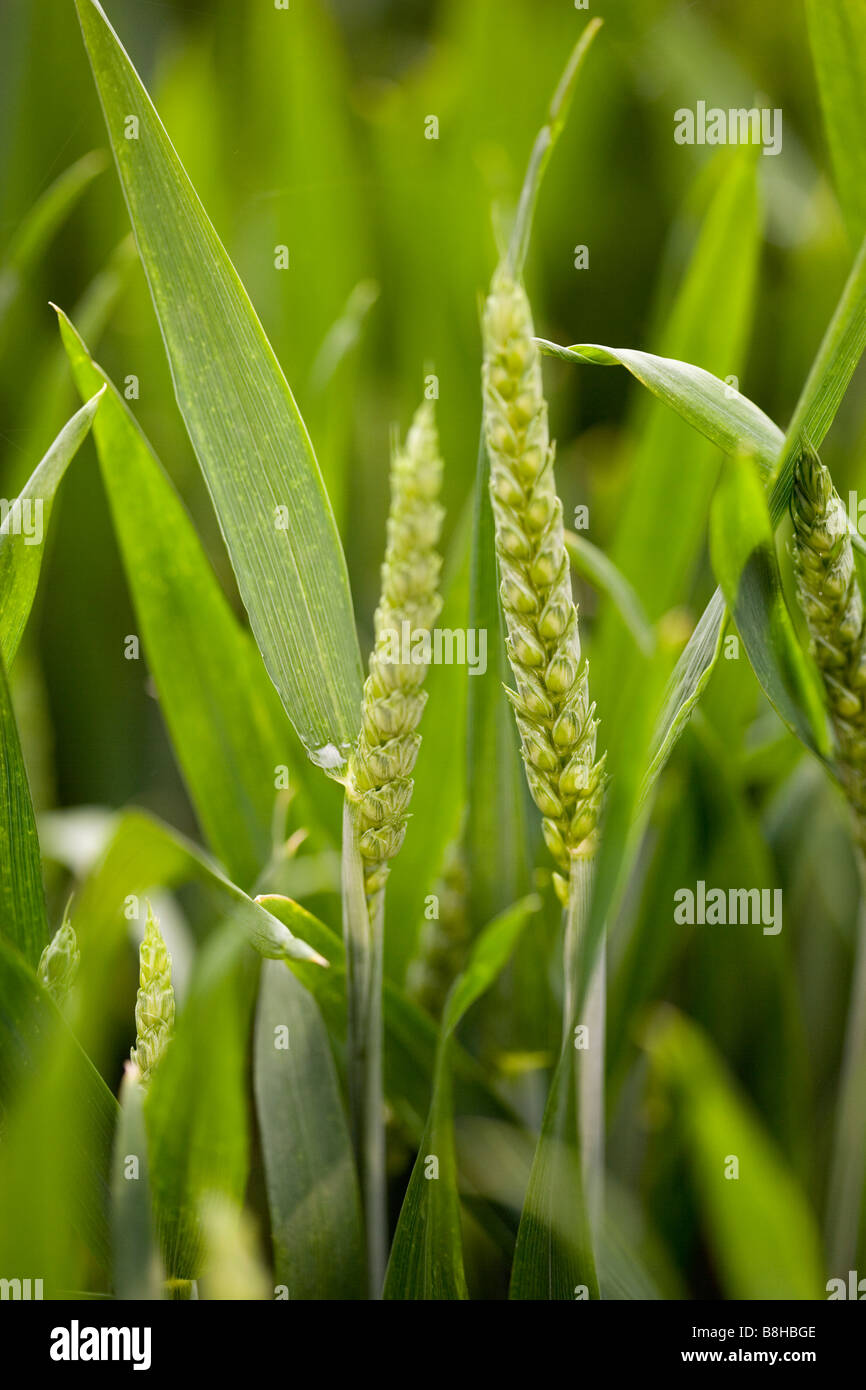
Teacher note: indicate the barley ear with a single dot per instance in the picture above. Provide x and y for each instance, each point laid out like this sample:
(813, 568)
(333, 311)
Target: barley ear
(555, 719)
(832, 604)
(59, 962)
(154, 1006)
(379, 782)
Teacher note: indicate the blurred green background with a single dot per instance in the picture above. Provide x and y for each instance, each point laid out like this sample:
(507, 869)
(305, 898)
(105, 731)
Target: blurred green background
(307, 129)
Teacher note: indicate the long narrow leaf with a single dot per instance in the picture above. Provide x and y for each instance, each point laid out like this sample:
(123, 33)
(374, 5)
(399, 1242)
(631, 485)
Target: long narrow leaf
(242, 419)
(24, 526)
(58, 1119)
(553, 1259)
(837, 33)
(690, 679)
(42, 221)
(712, 406)
(309, 1169)
(829, 377)
(762, 1233)
(411, 1036)
(709, 324)
(427, 1253)
(144, 851)
(219, 713)
(840, 351)
(22, 901)
(197, 1112)
(137, 1270)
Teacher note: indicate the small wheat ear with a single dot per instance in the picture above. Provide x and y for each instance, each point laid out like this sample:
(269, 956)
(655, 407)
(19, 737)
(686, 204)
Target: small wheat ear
(154, 1005)
(829, 594)
(59, 962)
(379, 783)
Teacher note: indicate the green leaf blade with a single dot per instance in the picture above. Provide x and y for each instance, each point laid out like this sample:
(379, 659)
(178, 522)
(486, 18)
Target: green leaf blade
(761, 1228)
(21, 550)
(427, 1253)
(553, 1259)
(252, 445)
(215, 704)
(837, 34)
(309, 1169)
(137, 1272)
(196, 1111)
(42, 222)
(488, 957)
(712, 406)
(23, 922)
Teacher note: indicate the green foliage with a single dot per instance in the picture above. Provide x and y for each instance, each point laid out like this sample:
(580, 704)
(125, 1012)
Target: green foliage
(250, 439)
(312, 1108)
(309, 1171)
(214, 693)
(23, 530)
(763, 1233)
(22, 901)
(427, 1256)
(837, 31)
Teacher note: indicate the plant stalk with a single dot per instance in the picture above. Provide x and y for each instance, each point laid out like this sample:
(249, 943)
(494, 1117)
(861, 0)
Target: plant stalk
(363, 932)
(585, 1003)
(848, 1167)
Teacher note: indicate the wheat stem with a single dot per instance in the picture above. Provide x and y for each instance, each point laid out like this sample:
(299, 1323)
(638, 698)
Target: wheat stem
(543, 147)
(555, 719)
(848, 1164)
(363, 933)
(585, 1013)
(378, 791)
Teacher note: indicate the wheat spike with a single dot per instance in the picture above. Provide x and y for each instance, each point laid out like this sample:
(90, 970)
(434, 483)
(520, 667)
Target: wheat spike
(556, 722)
(154, 1005)
(59, 962)
(832, 604)
(379, 782)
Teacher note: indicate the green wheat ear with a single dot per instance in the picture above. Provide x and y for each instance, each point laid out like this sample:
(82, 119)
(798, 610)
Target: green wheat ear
(556, 722)
(379, 782)
(830, 597)
(59, 962)
(154, 1006)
